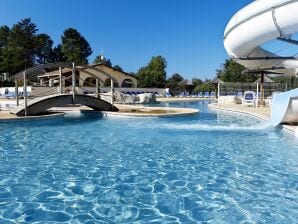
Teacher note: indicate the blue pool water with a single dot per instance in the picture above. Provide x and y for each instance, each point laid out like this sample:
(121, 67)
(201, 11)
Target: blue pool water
(213, 167)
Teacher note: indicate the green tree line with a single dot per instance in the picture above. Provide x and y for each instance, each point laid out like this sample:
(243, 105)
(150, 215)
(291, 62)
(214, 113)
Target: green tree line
(154, 75)
(21, 47)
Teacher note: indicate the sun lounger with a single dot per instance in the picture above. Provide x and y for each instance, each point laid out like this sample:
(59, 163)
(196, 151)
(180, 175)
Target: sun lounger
(206, 95)
(168, 95)
(239, 94)
(249, 98)
(212, 94)
(10, 95)
(238, 97)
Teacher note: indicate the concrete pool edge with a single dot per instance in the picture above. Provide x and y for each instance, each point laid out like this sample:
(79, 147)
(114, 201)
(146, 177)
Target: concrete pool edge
(182, 99)
(31, 118)
(288, 128)
(149, 111)
(127, 111)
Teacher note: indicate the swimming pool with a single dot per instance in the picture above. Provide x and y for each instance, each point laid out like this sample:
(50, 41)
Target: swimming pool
(213, 167)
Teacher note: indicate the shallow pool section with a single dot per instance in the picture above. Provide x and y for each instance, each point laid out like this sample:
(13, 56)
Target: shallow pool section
(214, 167)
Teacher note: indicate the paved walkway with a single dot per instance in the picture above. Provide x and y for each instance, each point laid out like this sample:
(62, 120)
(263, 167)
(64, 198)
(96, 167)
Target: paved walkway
(6, 115)
(175, 99)
(261, 112)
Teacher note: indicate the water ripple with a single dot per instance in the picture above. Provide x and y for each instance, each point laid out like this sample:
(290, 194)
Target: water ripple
(208, 168)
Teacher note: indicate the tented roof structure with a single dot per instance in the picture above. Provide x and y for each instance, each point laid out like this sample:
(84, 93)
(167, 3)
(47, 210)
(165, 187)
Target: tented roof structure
(266, 80)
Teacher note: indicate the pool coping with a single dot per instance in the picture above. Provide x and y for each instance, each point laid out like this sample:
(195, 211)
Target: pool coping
(169, 111)
(182, 99)
(32, 118)
(293, 130)
(59, 112)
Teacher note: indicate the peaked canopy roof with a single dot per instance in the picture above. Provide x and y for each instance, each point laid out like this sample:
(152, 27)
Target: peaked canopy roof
(266, 80)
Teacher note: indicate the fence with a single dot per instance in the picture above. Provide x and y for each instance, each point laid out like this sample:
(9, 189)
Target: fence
(231, 89)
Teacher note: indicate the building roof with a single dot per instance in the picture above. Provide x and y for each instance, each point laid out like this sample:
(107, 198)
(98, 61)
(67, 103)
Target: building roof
(266, 80)
(217, 80)
(101, 64)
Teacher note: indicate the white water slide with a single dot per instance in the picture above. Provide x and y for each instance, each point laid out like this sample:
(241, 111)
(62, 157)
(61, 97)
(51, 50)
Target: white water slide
(257, 23)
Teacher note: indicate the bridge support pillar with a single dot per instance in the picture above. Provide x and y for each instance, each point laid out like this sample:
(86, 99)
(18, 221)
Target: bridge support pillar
(262, 86)
(73, 83)
(218, 93)
(25, 92)
(112, 91)
(50, 82)
(60, 80)
(17, 91)
(257, 96)
(97, 88)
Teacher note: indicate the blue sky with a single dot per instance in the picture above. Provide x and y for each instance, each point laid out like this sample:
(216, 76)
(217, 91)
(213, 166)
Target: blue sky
(188, 33)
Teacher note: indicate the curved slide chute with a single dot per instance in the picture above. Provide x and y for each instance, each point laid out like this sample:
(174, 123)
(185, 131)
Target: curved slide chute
(257, 23)
(286, 110)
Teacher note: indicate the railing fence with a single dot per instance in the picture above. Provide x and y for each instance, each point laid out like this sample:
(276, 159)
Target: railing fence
(232, 89)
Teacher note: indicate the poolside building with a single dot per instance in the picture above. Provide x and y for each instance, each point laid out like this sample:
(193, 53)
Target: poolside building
(86, 76)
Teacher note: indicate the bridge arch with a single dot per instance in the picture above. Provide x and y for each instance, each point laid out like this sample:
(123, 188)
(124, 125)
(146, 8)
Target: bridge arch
(42, 104)
(37, 104)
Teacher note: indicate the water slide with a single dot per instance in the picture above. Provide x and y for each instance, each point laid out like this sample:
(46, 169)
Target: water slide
(286, 109)
(259, 22)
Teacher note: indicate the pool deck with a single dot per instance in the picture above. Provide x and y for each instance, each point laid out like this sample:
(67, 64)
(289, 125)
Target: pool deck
(124, 110)
(179, 99)
(143, 111)
(6, 115)
(263, 113)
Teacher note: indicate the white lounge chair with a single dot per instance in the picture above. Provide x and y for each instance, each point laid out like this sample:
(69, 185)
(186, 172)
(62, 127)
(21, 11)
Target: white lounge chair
(238, 98)
(249, 98)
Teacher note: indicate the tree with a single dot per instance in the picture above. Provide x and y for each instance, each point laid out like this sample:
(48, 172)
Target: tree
(44, 51)
(176, 83)
(102, 60)
(22, 36)
(154, 74)
(57, 55)
(204, 87)
(231, 71)
(4, 34)
(117, 67)
(20, 49)
(75, 47)
(197, 82)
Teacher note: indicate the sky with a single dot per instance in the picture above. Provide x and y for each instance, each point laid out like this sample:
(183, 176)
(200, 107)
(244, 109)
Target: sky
(187, 33)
